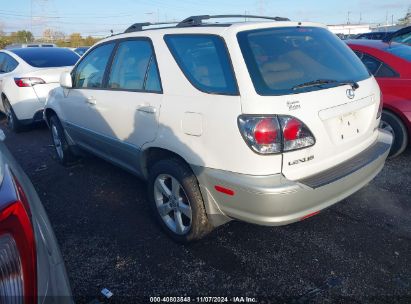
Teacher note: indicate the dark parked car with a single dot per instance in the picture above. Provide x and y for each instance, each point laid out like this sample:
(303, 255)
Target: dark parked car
(373, 35)
(31, 266)
(390, 63)
(401, 36)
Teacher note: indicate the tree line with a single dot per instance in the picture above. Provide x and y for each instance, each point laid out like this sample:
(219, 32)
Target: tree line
(49, 36)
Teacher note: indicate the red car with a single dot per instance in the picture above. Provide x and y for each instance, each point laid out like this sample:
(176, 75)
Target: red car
(390, 63)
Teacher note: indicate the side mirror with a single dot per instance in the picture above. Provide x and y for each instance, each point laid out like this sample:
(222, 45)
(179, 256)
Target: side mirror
(65, 80)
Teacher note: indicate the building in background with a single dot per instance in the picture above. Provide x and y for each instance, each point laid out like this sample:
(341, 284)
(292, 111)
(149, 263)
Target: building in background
(350, 29)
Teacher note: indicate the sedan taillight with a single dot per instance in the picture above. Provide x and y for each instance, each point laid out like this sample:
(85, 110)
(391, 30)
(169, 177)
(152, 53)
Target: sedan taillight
(18, 282)
(28, 81)
(275, 133)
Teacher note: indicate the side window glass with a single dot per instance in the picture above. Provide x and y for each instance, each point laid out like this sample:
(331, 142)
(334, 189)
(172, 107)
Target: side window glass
(359, 54)
(9, 64)
(2, 63)
(134, 67)
(205, 62)
(371, 63)
(90, 71)
(153, 80)
(386, 71)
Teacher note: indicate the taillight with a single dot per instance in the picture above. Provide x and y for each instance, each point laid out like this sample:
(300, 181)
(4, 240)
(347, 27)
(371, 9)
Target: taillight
(18, 283)
(261, 133)
(275, 133)
(28, 81)
(296, 135)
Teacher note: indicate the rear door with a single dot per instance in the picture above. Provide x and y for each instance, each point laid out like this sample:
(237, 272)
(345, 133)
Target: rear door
(310, 74)
(126, 113)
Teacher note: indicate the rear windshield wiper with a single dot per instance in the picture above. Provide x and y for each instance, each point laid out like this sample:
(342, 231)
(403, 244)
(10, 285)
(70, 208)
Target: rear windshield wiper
(320, 82)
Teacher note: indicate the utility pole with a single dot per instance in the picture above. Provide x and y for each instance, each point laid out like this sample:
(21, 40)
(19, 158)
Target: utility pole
(348, 17)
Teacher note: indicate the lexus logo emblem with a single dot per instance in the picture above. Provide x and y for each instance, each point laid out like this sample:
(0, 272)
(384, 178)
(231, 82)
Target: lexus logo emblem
(350, 93)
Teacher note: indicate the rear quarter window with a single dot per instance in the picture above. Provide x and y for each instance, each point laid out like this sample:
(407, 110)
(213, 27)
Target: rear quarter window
(205, 61)
(376, 67)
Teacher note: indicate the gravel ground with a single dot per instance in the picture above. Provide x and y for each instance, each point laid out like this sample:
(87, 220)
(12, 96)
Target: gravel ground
(357, 251)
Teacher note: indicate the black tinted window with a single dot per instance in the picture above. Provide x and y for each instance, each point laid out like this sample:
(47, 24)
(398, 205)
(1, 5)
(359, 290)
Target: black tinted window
(47, 57)
(359, 54)
(281, 59)
(375, 66)
(371, 63)
(89, 73)
(133, 67)
(386, 71)
(205, 62)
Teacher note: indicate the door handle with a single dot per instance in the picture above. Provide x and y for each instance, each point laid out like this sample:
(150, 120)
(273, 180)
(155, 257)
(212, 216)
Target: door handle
(147, 109)
(91, 101)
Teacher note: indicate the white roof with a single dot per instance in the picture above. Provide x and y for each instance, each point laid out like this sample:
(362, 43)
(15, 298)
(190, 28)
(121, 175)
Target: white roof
(213, 28)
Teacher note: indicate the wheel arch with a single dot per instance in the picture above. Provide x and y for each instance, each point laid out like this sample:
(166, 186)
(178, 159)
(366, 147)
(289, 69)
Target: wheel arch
(48, 113)
(398, 113)
(151, 155)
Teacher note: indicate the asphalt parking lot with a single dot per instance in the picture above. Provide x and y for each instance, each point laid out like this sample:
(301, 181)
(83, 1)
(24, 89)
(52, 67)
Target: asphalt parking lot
(356, 251)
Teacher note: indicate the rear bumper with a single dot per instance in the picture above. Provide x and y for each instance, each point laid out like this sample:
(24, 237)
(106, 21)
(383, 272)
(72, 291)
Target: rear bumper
(274, 200)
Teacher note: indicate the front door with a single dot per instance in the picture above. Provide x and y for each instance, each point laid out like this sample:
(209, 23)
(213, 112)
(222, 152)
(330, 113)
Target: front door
(80, 116)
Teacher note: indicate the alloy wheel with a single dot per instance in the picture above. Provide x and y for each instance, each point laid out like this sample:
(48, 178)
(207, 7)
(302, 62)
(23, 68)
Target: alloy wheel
(57, 141)
(172, 204)
(9, 115)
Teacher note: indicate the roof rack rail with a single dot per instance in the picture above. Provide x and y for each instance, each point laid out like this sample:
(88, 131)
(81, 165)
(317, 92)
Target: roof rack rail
(198, 20)
(136, 27)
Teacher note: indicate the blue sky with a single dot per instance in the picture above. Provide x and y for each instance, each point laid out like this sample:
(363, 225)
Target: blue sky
(97, 18)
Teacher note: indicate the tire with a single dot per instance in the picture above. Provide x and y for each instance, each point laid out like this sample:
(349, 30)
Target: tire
(393, 124)
(12, 121)
(63, 151)
(172, 207)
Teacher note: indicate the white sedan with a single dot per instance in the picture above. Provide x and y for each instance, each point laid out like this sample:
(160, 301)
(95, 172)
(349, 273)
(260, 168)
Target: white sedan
(26, 77)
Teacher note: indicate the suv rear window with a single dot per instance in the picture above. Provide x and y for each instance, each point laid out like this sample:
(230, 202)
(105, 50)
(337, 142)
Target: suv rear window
(280, 59)
(205, 62)
(48, 57)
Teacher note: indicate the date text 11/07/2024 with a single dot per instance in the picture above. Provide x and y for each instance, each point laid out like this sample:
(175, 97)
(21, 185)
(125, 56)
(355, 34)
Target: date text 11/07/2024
(203, 300)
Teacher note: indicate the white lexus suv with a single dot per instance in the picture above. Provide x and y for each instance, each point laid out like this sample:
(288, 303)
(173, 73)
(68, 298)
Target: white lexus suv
(265, 122)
